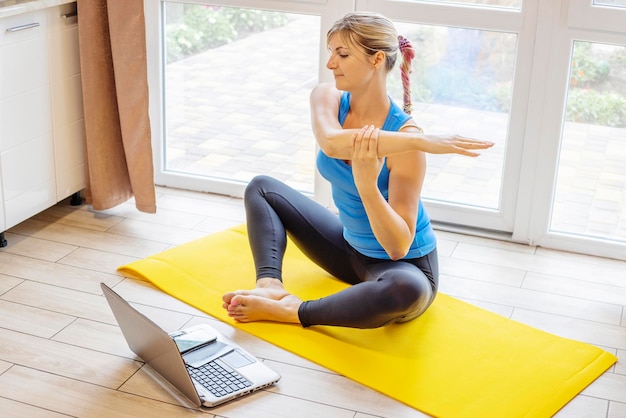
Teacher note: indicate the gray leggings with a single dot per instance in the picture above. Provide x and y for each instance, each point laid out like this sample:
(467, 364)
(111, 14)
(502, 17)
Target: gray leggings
(383, 291)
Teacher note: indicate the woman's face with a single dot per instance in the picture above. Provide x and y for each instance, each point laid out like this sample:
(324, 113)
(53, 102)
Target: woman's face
(351, 66)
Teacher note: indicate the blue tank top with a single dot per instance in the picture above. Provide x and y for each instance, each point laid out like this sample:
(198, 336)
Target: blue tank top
(356, 227)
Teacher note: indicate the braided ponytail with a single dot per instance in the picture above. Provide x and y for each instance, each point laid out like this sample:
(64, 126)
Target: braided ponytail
(408, 53)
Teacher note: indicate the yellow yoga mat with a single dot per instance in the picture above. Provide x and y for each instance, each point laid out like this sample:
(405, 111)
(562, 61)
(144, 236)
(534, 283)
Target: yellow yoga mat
(454, 361)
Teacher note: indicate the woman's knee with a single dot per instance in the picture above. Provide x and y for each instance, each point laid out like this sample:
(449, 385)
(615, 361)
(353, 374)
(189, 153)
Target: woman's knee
(406, 293)
(261, 189)
(258, 184)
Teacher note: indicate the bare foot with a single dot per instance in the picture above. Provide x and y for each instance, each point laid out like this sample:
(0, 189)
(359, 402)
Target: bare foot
(265, 287)
(250, 308)
(268, 301)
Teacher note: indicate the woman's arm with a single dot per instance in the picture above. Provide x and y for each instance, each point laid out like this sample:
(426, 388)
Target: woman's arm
(336, 142)
(393, 222)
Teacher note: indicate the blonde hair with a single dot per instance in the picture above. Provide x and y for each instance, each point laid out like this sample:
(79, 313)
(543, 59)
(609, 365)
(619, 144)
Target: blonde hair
(373, 32)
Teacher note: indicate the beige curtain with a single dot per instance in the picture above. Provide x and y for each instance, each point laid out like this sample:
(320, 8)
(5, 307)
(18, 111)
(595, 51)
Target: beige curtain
(115, 97)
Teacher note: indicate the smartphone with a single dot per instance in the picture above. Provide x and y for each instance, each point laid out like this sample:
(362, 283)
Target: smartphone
(189, 341)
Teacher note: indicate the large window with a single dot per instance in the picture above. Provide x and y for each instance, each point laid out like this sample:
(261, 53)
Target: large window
(230, 86)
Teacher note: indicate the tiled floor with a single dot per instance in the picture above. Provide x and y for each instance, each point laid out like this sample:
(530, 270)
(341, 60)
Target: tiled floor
(61, 352)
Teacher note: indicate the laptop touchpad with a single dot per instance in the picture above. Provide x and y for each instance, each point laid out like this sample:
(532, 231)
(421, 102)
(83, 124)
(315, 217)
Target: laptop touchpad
(236, 360)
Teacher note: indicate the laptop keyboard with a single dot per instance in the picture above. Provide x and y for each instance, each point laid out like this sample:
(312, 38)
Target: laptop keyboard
(218, 378)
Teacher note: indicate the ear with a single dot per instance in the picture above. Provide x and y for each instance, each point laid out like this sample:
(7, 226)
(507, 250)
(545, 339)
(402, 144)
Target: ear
(378, 59)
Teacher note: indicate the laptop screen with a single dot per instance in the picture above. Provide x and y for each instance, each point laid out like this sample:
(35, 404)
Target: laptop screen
(152, 344)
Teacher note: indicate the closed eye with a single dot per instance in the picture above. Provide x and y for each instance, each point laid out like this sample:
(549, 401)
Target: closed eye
(341, 52)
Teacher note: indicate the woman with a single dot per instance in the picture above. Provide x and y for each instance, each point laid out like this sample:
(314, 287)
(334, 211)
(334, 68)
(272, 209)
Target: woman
(372, 153)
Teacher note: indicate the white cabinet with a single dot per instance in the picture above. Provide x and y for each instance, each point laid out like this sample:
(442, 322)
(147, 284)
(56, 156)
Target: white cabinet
(41, 119)
(26, 148)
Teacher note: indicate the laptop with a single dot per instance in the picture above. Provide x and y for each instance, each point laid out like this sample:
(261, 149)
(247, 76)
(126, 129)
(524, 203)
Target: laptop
(199, 361)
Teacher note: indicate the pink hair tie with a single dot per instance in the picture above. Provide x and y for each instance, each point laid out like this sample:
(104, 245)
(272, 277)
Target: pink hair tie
(403, 43)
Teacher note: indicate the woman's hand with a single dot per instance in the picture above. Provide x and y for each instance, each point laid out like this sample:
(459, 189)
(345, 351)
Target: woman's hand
(366, 165)
(453, 144)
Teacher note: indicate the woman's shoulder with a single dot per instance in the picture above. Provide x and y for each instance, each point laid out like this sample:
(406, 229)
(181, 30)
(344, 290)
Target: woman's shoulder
(326, 90)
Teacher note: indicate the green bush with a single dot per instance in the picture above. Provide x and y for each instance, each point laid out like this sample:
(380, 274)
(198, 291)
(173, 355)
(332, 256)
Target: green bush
(599, 108)
(201, 29)
(204, 27)
(586, 69)
(246, 21)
